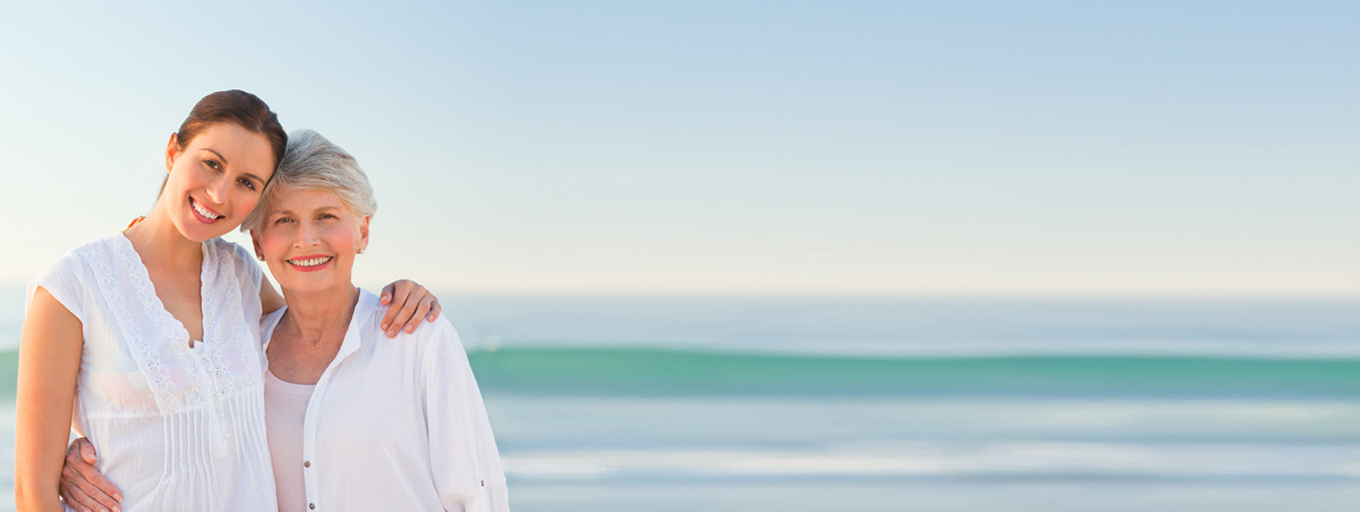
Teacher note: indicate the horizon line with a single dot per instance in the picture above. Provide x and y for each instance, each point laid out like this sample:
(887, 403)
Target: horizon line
(846, 294)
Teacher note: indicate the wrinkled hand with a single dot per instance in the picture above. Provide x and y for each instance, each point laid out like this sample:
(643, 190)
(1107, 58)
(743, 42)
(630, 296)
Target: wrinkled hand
(410, 304)
(83, 487)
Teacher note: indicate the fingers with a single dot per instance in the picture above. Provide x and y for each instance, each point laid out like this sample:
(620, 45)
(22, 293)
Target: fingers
(76, 447)
(419, 315)
(409, 305)
(434, 311)
(79, 492)
(83, 483)
(386, 296)
(72, 502)
(79, 452)
(395, 294)
(102, 489)
(86, 450)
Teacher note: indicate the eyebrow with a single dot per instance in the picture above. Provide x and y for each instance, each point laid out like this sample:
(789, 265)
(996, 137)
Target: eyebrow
(290, 212)
(219, 155)
(224, 163)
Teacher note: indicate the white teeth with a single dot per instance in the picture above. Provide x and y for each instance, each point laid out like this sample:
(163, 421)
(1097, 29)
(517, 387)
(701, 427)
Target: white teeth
(203, 212)
(312, 262)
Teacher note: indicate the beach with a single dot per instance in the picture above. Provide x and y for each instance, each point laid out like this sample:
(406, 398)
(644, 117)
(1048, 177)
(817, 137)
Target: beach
(957, 404)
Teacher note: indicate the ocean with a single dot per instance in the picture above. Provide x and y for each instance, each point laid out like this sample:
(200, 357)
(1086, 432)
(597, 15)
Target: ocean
(901, 404)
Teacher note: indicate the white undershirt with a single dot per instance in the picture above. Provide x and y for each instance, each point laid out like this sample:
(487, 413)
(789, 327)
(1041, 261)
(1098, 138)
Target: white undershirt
(285, 406)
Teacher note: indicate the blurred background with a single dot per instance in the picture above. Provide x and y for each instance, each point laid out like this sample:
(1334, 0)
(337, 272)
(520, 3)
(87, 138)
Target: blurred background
(969, 256)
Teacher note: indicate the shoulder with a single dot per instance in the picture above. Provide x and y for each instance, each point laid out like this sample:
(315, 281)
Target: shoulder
(80, 260)
(230, 251)
(440, 349)
(101, 249)
(441, 330)
(67, 277)
(232, 254)
(436, 335)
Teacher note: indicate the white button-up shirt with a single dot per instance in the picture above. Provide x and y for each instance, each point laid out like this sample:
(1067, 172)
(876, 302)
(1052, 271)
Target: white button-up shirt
(394, 424)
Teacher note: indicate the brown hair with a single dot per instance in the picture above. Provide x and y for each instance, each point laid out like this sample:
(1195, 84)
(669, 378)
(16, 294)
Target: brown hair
(239, 107)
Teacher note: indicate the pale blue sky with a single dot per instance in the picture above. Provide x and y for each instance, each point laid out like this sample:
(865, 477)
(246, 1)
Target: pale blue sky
(1204, 148)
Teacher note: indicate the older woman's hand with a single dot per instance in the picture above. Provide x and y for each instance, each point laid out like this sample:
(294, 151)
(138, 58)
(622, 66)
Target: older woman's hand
(83, 487)
(409, 304)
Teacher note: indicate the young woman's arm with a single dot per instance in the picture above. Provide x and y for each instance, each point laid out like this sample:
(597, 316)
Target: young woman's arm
(49, 361)
(411, 304)
(270, 299)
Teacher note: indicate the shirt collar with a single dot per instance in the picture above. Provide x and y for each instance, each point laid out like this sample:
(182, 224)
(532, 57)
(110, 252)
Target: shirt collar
(359, 329)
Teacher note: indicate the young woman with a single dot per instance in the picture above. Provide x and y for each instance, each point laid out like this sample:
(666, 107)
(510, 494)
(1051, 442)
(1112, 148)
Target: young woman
(147, 341)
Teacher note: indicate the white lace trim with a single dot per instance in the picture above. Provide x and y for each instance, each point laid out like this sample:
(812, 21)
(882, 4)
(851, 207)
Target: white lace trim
(157, 376)
(229, 287)
(148, 329)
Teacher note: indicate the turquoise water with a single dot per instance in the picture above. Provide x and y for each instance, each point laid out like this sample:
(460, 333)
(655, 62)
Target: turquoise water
(624, 404)
(652, 372)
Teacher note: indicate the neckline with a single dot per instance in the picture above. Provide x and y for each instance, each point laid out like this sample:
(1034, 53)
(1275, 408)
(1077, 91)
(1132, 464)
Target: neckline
(141, 273)
(272, 381)
(354, 333)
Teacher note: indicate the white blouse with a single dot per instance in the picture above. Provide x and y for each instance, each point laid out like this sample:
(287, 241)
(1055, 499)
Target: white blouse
(392, 424)
(177, 428)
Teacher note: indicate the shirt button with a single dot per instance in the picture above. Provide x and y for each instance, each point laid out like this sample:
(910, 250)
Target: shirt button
(306, 464)
(311, 505)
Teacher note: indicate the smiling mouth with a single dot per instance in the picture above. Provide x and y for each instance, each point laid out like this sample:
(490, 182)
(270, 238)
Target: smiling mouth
(206, 213)
(311, 262)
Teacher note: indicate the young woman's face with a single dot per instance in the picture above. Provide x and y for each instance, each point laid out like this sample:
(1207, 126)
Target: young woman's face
(216, 180)
(309, 239)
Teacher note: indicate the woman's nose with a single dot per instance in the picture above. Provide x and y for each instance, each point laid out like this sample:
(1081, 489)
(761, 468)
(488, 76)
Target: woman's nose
(217, 191)
(306, 235)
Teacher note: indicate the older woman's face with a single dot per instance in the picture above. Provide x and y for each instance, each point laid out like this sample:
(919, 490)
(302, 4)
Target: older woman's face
(309, 239)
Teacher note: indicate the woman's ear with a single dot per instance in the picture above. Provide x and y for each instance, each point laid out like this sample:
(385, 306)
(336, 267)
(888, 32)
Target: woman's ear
(363, 234)
(255, 240)
(171, 151)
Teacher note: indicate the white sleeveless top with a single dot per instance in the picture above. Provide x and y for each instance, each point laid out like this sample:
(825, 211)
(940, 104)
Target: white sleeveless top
(176, 428)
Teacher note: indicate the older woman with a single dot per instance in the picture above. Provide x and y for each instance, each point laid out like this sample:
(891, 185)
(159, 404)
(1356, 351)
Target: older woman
(354, 423)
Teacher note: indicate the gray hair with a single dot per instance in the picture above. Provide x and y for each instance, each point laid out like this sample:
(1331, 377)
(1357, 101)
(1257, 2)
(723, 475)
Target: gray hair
(313, 163)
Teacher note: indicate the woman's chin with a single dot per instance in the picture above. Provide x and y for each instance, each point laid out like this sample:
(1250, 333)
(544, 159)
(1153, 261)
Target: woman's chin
(309, 284)
(199, 233)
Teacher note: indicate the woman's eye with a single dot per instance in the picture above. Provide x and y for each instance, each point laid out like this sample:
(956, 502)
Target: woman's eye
(326, 216)
(213, 164)
(282, 220)
(250, 185)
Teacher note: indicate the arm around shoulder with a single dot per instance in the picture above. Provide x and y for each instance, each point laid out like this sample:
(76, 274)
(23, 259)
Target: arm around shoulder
(49, 361)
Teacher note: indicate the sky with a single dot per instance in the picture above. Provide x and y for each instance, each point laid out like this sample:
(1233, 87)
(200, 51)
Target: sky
(737, 147)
